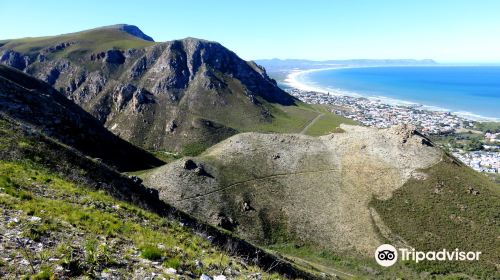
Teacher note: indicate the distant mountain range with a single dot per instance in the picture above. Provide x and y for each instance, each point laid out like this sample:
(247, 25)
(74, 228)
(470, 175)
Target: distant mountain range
(275, 64)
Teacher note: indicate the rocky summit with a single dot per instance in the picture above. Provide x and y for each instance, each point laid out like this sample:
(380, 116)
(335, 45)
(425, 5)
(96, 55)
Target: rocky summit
(156, 95)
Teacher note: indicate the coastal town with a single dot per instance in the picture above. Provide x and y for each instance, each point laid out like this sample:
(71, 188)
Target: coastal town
(374, 112)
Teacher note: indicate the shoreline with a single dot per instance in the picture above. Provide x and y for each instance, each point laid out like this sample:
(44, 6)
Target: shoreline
(292, 81)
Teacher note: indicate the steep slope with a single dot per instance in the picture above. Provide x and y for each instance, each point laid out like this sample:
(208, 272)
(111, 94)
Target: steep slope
(340, 171)
(156, 95)
(65, 216)
(331, 199)
(37, 104)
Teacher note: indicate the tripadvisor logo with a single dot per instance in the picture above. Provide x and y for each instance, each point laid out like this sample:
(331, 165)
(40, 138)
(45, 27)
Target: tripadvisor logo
(387, 255)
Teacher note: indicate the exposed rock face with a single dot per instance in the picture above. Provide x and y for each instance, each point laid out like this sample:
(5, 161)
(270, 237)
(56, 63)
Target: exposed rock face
(317, 190)
(14, 59)
(34, 103)
(139, 93)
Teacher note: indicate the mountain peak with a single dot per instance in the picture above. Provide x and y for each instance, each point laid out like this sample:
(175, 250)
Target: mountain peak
(129, 29)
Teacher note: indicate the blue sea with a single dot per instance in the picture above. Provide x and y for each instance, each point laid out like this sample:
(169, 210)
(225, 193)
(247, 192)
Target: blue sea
(472, 91)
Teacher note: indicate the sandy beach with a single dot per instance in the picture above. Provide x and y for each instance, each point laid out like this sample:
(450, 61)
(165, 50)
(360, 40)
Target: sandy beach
(293, 79)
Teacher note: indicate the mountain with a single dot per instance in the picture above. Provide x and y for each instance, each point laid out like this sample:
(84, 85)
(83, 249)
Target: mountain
(35, 103)
(310, 198)
(330, 201)
(65, 216)
(161, 96)
(275, 65)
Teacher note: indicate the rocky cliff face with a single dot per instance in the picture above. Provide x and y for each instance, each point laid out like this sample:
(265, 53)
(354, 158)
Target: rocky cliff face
(161, 96)
(37, 105)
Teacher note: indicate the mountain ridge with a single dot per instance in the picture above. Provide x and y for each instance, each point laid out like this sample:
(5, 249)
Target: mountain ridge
(153, 93)
(35, 103)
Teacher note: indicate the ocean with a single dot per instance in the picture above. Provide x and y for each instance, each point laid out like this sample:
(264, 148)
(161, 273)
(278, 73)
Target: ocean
(470, 91)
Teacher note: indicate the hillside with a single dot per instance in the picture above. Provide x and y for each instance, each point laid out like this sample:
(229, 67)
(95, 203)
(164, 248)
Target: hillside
(65, 216)
(327, 202)
(253, 184)
(161, 96)
(38, 105)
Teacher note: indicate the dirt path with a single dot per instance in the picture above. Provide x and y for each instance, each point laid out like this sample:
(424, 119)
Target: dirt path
(333, 272)
(256, 179)
(311, 123)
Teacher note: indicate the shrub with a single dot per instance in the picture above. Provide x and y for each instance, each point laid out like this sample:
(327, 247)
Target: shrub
(173, 263)
(151, 252)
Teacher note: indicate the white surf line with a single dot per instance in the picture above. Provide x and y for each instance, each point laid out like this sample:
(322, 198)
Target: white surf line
(293, 81)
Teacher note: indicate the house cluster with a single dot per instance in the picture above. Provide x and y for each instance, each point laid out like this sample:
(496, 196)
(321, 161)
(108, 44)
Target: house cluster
(481, 161)
(493, 138)
(375, 113)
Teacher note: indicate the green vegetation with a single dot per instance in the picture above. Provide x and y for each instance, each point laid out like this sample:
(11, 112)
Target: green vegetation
(468, 141)
(455, 207)
(151, 252)
(474, 145)
(328, 123)
(174, 262)
(193, 149)
(165, 156)
(65, 208)
(286, 119)
(319, 259)
(89, 41)
(83, 230)
(294, 119)
(493, 127)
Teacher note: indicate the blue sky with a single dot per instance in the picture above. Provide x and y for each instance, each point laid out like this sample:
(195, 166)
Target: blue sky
(445, 30)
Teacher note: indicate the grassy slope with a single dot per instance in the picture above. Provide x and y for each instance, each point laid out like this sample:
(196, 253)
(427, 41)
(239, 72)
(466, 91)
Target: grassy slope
(292, 119)
(85, 231)
(327, 123)
(88, 41)
(94, 232)
(439, 212)
(450, 219)
(285, 119)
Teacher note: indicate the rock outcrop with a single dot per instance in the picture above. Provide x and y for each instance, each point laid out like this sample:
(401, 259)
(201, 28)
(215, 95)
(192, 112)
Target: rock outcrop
(281, 187)
(138, 92)
(36, 104)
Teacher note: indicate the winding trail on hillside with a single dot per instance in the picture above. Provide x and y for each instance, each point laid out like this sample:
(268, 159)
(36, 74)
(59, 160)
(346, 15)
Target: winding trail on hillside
(333, 272)
(257, 179)
(311, 123)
